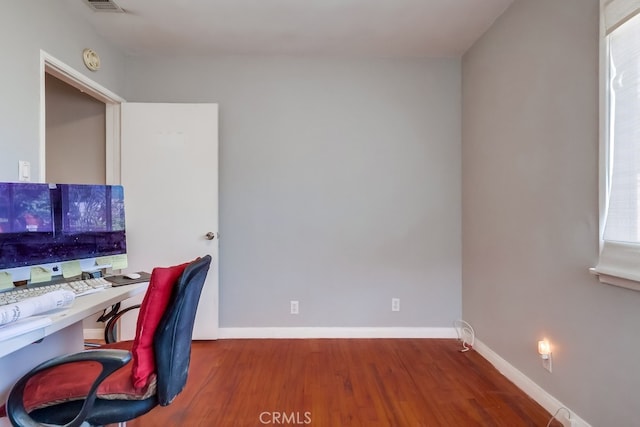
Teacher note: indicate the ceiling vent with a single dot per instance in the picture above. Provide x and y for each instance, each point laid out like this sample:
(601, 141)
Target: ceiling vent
(104, 6)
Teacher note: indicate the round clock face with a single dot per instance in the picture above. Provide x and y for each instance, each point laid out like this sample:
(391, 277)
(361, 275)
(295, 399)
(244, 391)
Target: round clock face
(91, 59)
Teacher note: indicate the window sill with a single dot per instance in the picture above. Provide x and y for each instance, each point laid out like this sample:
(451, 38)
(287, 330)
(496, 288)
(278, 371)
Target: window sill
(616, 281)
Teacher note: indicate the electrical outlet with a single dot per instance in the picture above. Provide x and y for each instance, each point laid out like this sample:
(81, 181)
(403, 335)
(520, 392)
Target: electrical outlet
(295, 307)
(395, 304)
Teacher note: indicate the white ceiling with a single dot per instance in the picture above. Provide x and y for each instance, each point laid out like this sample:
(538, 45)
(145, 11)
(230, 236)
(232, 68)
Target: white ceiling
(386, 28)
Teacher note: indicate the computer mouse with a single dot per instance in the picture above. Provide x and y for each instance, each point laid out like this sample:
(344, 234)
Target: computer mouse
(132, 276)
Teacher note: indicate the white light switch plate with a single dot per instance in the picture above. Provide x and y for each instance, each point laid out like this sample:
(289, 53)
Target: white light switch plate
(24, 171)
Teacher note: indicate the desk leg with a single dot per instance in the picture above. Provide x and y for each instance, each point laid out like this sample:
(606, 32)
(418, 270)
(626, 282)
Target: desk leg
(18, 363)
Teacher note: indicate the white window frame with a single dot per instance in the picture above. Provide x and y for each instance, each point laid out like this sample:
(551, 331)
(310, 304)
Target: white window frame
(618, 264)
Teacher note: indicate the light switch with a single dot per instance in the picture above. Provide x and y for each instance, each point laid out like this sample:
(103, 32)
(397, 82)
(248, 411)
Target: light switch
(24, 170)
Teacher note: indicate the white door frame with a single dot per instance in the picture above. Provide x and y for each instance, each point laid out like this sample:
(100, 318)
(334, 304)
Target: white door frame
(55, 67)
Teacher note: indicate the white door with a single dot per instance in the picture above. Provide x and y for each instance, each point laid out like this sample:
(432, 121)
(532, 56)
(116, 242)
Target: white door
(169, 171)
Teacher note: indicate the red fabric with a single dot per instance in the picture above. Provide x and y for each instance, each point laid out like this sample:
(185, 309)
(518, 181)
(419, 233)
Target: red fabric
(72, 381)
(151, 310)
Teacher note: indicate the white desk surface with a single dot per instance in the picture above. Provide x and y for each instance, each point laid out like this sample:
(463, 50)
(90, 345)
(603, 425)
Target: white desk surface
(82, 308)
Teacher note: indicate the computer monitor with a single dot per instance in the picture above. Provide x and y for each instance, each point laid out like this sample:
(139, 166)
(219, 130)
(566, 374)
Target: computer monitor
(47, 224)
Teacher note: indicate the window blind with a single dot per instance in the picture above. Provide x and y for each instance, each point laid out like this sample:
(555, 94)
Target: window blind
(620, 253)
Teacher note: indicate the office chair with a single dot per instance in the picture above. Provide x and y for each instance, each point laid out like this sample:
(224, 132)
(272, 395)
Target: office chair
(103, 387)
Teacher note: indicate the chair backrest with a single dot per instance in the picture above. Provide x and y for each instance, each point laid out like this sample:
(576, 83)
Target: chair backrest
(172, 340)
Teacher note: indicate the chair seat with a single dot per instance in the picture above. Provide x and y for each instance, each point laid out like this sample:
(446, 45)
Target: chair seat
(72, 382)
(103, 411)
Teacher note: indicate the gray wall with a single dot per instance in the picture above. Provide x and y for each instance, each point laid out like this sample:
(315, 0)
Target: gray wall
(530, 210)
(339, 185)
(26, 27)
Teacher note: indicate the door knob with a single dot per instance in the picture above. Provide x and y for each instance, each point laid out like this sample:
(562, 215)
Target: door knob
(210, 235)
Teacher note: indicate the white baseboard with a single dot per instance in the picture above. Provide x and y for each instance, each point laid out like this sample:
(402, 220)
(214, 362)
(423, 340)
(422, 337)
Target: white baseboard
(527, 385)
(93, 334)
(316, 332)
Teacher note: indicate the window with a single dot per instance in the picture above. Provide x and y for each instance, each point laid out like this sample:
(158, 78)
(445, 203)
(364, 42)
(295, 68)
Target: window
(619, 262)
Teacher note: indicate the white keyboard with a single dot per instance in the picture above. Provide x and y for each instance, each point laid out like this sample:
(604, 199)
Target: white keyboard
(78, 287)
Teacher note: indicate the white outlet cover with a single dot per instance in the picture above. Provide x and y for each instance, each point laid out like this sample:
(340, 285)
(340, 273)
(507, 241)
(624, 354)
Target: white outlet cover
(295, 308)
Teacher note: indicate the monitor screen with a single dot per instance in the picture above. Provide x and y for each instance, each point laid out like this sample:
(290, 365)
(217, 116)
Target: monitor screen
(51, 223)
(25, 208)
(92, 208)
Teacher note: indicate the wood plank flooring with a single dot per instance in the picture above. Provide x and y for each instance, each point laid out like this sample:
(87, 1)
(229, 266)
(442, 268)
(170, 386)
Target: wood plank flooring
(344, 382)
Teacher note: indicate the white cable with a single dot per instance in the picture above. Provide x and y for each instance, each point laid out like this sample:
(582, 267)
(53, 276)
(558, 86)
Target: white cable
(553, 417)
(466, 334)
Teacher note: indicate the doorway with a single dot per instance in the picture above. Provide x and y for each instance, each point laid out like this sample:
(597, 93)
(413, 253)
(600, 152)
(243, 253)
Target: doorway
(75, 135)
(91, 93)
(201, 123)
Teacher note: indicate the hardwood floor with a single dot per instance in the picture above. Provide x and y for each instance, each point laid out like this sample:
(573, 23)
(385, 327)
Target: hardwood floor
(344, 382)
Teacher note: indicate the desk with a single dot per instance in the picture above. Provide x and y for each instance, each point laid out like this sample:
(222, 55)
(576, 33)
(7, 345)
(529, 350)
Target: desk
(64, 335)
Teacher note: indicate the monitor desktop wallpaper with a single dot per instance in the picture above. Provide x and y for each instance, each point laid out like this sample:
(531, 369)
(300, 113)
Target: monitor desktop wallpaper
(49, 223)
(25, 207)
(89, 208)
